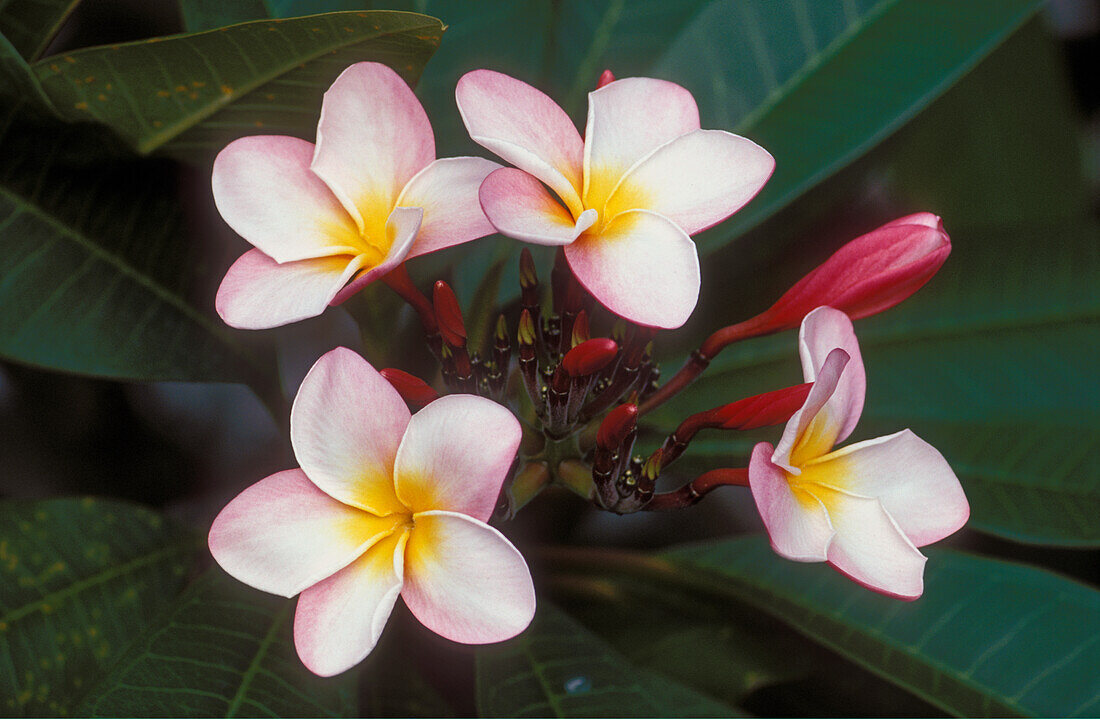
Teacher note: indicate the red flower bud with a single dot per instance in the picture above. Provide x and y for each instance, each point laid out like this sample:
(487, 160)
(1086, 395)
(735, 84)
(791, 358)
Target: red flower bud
(869, 274)
(581, 331)
(605, 78)
(589, 357)
(412, 389)
(448, 315)
(618, 423)
(762, 410)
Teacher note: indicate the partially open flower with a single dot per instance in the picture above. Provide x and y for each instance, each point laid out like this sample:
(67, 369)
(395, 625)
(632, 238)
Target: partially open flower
(628, 195)
(385, 505)
(327, 219)
(864, 508)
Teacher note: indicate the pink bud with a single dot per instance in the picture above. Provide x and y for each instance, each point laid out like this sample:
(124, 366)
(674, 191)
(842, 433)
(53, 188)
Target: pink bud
(762, 410)
(412, 389)
(870, 274)
(589, 357)
(606, 77)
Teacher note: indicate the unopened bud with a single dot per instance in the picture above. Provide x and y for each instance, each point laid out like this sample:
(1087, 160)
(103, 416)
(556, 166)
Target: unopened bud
(618, 423)
(580, 329)
(606, 78)
(528, 279)
(412, 389)
(525, 333)
(448, 315)
(590, 357)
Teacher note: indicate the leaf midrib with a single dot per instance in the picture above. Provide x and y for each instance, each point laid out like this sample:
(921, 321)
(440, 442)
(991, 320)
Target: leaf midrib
(158, 290)
(101, 577)
(257, 659)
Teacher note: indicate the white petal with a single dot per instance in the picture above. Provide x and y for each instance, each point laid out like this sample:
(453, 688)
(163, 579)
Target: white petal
(447, 190)
(338, 621)
(345, 425)
(797, 522)
(822, 331)
(520, 207)
(465, 581)
(811, 431)
(455, 455)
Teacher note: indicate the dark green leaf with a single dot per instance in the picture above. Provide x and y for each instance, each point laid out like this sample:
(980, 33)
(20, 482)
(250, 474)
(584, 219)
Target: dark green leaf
(79, 578)
(31, 24)
(723, 651)
(826, 83)
(189, 95)
(18, 85)
(557, 668)
(988, 638)
(94, 275)
(223, 650)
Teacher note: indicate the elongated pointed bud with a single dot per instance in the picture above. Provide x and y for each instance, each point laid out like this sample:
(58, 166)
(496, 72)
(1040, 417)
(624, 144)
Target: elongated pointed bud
(606, 78)
(869, 274)
(580, 329)
(763, 410)
(618, 423)
(589, 357)
(412, 389)
(448, 314)
(528, 278)
(525, 333)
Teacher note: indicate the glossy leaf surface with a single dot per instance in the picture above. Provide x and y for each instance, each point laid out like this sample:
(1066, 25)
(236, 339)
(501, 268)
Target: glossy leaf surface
(31, 24)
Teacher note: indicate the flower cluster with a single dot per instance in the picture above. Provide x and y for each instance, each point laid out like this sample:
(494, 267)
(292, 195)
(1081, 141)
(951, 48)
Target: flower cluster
(390, 504)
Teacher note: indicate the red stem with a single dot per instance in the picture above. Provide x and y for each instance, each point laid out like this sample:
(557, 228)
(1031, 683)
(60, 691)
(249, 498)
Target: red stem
(399, 281)
(694, 490)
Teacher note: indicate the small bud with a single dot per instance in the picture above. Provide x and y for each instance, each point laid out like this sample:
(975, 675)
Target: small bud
(528, 279)
(525, 333)
(412, 389)
(618, 423)
(606, 78)
(652, 468)
(580, 329)
(449, 315)
(501, 334)
(590, 357)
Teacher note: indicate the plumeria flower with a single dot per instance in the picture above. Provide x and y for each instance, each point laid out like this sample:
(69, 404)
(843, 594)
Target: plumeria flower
(385, 504)
(328, 219)
(864, 508)
(626, 198)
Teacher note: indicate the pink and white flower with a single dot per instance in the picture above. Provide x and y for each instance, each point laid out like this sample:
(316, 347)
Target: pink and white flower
(329, 218)
(385, 504)
(628, 196)
(864, 508)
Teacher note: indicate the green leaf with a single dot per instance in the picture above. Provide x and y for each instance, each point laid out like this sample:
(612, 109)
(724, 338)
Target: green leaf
(819, 85)
(31, 24)
(222, 650)
(189, 95)
(94, 275)
(724, 652)
(557, 668)
(992, 363)
(988, 638)
(79, 578)
(18, 85)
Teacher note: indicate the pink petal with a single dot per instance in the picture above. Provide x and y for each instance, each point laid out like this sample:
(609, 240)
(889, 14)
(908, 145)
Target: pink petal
(628, 119)
(520, 207)
(642, 267)
(912, 480)
(811, 431)
(373, 136)
(447, 190)
(265, 191)
(822, 331)
(345, 425)
(797, 522)
(696, 180)
(455, 455)
(402, 228)
(258, 293)
(524, 127)
(465, 581)
(283, 534)
(924, 219)
(869, 546)
(338, 621)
